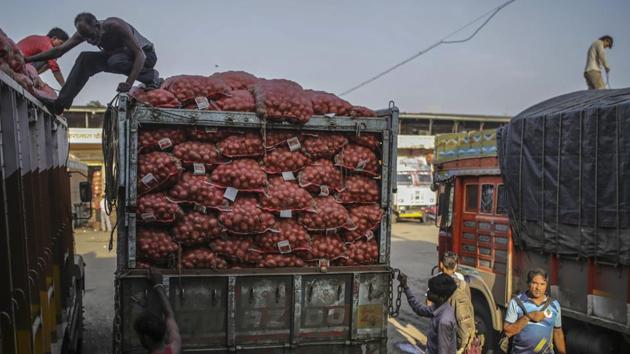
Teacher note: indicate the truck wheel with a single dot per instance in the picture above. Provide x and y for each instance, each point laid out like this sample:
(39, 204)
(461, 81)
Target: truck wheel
(483, 322)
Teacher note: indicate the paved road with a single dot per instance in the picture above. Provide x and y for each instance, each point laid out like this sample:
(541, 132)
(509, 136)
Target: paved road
(413, 251)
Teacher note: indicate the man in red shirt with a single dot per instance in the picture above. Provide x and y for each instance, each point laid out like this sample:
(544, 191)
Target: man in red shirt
(36, 44)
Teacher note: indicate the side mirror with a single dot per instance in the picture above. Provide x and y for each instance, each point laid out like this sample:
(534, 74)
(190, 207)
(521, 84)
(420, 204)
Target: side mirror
(85, 192)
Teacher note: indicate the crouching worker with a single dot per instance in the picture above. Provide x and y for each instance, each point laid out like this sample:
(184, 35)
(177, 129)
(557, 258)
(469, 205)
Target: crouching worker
(156, 326)
(442, 335)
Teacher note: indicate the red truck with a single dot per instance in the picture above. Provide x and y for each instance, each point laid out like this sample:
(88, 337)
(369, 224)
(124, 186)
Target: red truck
(547, 190)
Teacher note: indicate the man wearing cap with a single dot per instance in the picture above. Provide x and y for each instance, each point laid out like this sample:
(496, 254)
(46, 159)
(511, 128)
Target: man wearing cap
(595, 59)
(441, 338)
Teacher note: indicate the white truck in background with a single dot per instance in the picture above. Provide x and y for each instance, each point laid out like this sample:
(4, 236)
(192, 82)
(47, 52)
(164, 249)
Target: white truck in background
(414, 198)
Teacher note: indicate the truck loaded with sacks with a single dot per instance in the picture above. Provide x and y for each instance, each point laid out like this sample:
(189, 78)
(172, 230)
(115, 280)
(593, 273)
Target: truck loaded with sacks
(267, 207)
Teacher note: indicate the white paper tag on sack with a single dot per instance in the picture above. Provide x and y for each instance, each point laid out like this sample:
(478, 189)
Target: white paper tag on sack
(284, 246)
(147, 217)
(165, 143)
(286, 214)
(294, 144)
(369, 235)
(199, 208)
(199, 168)
(361, 165)
(324, 191)
(202, 102)
(329, 115)
(288, 176)
(148, 179)
(323, 263)
(230, 193)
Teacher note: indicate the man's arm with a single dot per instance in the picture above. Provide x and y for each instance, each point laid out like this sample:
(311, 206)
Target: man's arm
(558, 341)
(59, 77)
(419, 308)
(175, 340)
(124, 30)
(56, 52)
(601, 54)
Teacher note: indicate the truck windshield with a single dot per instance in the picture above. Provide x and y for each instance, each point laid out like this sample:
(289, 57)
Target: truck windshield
(404, 180)
(424, 179)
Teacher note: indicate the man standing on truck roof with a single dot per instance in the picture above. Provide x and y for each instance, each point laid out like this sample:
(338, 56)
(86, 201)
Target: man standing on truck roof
(461, 303)
(123, 50)
(595, 59)
(152, 328)
(36, 44)
(533, 320)
(441, 338)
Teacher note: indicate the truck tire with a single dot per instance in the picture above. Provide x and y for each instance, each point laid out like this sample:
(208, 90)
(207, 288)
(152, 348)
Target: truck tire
(483, 322)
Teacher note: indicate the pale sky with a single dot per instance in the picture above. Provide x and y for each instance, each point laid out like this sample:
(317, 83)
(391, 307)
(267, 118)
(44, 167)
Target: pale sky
(531, 51)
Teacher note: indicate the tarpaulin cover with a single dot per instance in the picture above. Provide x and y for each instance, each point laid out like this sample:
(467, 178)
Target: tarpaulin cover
(566, 167)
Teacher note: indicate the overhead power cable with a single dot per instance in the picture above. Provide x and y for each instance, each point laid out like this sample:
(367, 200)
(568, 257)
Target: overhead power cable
(490, 14)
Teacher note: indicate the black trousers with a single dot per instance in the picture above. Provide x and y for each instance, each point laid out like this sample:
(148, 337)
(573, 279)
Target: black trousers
(91, 63)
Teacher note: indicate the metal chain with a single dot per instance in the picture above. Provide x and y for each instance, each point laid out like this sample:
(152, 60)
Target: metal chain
(117, 322)
(394, 310)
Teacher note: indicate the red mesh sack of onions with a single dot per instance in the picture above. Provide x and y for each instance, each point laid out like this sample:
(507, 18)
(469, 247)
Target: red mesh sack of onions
(370, 141)
(155, 244)
(241, 145)
(188, 87)
(362, 112)
(359, 189)
(192, 152)
(327, 103)
(285, 195)
(362, 252)
(207, 134)
(156, 97)
(156, 171)
(197, 228)
(197, 190)
(328, 215)
(10, 53)
(282, 100)
(238, 250)
(366, 218)
(276, 138)
(283, 160)
(203, 258)
(159, 139)
(236, 80)
(327, 246)
(357, 158)
(321, 177)
(244, 175)
(45, 91)
(246, 217)
(157, 208)
(287, 237)
(239, 100)
(323, 146)
(280, 261)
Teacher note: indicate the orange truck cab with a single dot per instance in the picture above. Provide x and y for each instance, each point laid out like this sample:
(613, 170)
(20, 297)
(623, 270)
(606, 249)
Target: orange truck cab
(477, 219)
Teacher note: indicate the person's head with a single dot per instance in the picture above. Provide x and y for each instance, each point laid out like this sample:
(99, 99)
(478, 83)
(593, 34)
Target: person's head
(88, 27)
(448, 263)
(441, 287)
(151, 329)
(608, 41)
(537, 281)
(57, 36)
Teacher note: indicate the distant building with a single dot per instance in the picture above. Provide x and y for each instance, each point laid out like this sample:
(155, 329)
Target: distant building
(439, 123)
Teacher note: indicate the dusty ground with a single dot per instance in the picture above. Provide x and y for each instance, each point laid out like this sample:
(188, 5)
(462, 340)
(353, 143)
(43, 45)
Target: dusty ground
(413, 251)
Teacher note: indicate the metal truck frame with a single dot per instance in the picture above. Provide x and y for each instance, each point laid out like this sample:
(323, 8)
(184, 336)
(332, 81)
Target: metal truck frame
(41, 276)
(305, 310)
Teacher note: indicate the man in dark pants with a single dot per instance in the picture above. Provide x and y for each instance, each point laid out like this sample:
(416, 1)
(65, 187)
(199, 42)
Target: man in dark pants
(123, 50)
